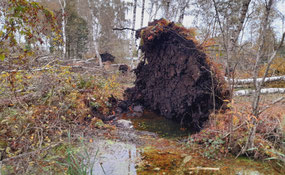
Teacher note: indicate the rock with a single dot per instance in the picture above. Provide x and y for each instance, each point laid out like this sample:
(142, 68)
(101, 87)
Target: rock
(138, 108)
(156, 169)
(126, 124)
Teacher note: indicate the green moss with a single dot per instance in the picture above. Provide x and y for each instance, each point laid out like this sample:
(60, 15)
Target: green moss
(160, 162)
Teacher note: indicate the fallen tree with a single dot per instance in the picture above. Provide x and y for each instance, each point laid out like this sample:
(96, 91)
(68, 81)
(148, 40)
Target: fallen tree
(263, 91)
(251, 80)
(176, 79)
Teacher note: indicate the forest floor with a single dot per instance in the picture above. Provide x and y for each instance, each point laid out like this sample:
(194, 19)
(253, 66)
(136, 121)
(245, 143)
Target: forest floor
(58, 134)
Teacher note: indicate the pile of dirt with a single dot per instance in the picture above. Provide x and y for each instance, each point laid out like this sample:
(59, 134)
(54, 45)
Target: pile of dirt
(176, 79)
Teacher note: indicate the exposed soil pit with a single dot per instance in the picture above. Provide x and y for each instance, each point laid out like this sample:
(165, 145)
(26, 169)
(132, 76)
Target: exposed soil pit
(176, 79)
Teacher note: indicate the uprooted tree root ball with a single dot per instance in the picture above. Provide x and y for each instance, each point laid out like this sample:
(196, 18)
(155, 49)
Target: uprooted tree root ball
(176, 79)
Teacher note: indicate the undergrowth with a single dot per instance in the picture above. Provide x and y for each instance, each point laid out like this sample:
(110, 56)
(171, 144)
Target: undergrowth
(38, 109)
(226, 132)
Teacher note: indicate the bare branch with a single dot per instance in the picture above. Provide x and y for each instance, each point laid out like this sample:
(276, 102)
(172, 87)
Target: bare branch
(125, 28)
(273, 103)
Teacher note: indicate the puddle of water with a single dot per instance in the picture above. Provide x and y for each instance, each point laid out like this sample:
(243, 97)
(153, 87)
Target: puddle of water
(248, 172)
(114, 158)
(163, 127)
(163, 155)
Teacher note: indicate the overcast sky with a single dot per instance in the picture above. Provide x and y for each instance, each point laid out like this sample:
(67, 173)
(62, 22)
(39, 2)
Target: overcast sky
(188, 20)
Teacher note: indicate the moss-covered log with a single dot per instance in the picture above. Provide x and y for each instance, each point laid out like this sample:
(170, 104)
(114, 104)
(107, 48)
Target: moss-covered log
(176, 79)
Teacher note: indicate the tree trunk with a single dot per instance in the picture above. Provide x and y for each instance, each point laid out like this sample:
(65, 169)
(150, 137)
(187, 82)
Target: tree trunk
(151, 10)
(230, 41)
(157, 7)
(62, 6)
(142, 19)
(143, 9)
(258, 80)
(94, 34)
(167, 6)
(183, 6)
(241, 21)
(258, 86)
(133, 42)
(262, 91)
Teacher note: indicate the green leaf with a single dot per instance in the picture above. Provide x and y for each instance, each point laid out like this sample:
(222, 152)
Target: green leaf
(2, 57)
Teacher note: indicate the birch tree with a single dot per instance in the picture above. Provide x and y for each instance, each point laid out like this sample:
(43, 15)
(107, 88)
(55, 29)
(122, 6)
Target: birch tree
(157, 7)
(94, 37)
(63, 25)
(231, 16)
(143, 9)
(268, 5)
(183, 4)
(142, 19)
(150, 10)
(153, 9)
(133, 43)
(166, 8)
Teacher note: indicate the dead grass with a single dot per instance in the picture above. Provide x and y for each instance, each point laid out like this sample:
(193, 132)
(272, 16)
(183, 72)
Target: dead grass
(227, 131)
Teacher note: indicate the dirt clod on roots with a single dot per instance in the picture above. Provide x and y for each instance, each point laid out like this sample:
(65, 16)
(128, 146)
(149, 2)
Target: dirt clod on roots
(176, 79)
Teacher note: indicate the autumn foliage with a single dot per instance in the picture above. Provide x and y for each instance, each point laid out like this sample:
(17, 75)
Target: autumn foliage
(227, 132)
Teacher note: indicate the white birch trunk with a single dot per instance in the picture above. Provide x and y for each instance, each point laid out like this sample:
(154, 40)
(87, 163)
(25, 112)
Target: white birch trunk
(150, 11)
(142, 19)
(183, 6)
(78, 6)
(62, 6)
(143, 9)
(258, 86)
(167, 6)
(133, 43)
(157, 7)
(258, 80)
(262, 91)
(94, 35)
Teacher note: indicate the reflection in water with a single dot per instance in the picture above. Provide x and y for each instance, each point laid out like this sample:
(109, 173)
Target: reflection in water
(114, 158)
(248, 172)
(160, 125)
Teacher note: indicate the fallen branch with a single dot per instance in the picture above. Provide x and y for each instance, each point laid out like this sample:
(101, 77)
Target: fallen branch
(258, 80)
(125, 28)
(273, 103)
(204, 168)
(263, 91)
(49, 68)
(33, 70)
